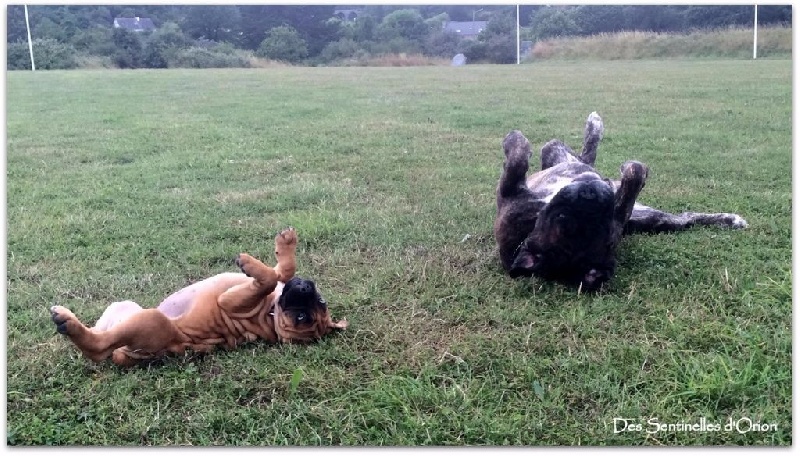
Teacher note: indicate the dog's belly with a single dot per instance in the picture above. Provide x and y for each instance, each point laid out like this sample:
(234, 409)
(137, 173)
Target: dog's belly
(547, 183)
(181, 301)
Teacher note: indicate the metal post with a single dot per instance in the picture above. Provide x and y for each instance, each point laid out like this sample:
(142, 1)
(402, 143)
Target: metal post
(30, 43)
(517, 34)
(755, 32)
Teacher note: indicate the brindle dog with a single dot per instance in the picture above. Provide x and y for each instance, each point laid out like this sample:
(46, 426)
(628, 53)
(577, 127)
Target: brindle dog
(228, 309)
(565, 221)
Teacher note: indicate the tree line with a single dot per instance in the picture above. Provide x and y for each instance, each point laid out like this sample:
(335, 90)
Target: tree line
(231, 35)
(560, 21)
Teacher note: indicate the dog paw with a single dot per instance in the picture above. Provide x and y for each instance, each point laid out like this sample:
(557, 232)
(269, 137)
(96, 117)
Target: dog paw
(285, 242)
(287, 237)
(735, 221)
(594, 126)
(594, 279)
(516, 144)
(243, 261)
(634, 170)
(64, 319)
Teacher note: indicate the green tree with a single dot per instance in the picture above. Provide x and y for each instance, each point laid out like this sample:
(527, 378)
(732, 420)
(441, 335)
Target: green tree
(499, 39)
(283, 43)
(310, 22)
(343, 49)
(128, 45)
(163, 44)
(365, 28)
(553, 22)
(403, 23)
(594, 19)
(435, 23)
(95, 41)
(441, 43)
(47, 28)
(212, 22)
(48, 54)
(16, 24)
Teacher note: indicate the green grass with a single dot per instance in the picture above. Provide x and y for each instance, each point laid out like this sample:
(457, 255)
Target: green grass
(734, 43)
(131, 184)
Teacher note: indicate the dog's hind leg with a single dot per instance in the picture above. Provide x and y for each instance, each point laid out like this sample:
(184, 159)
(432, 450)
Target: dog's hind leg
(645, 219)
(555, 152)
(148, 332)
(634, 176)
(115, 313)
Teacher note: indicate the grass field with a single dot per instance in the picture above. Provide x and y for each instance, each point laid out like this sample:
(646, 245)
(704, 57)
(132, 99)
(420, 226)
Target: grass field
(131, 184)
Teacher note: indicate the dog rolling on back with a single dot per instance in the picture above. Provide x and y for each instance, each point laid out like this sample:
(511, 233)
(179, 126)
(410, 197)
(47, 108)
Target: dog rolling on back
(565, 221)
(228, 309)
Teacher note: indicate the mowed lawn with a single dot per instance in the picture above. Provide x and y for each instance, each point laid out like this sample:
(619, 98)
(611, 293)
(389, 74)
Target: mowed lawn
(131, 184)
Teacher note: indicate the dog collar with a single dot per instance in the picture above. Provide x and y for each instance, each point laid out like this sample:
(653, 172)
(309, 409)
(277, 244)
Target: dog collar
(516, 251)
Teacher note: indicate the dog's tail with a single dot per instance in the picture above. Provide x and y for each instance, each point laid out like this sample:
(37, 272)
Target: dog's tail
(592, 135)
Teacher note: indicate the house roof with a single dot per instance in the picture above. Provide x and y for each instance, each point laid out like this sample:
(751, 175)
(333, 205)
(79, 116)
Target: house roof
(347, 11)
(134, 23)
(465, 28)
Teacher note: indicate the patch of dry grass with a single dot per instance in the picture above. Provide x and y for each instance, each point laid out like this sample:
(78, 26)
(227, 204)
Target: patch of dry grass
(395, 60)
(729, 42)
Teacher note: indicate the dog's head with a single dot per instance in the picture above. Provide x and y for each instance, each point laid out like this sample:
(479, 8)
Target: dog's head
(301, 314)
(573, 239)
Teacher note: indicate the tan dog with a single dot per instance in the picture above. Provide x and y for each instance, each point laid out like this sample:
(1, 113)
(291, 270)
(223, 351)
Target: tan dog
(226, 309)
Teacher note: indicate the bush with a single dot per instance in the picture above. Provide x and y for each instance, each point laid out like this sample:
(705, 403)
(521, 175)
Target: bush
(93, 62)
(128, 45)
(163, 44)
(95, 41)
(17, 56)
(442, 44)
(197, 57)
(48, 54)
(345, 48)
(501, 49)
(396, 46)
(474, 51)
(284, 44)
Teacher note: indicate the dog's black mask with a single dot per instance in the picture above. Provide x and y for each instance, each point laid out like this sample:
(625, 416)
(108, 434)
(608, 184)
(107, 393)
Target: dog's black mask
(301, 300)
(572, 240)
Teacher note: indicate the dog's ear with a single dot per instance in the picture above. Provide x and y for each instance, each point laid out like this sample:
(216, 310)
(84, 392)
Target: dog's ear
(341, 324)
(523, 264)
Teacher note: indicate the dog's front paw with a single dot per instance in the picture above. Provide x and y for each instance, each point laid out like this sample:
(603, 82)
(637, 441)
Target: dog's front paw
(244, 261)
(66, 322)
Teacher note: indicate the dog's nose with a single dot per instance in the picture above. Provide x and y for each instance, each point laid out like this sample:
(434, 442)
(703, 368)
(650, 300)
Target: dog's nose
(587, 192)
(591, 191)
(305, 288)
